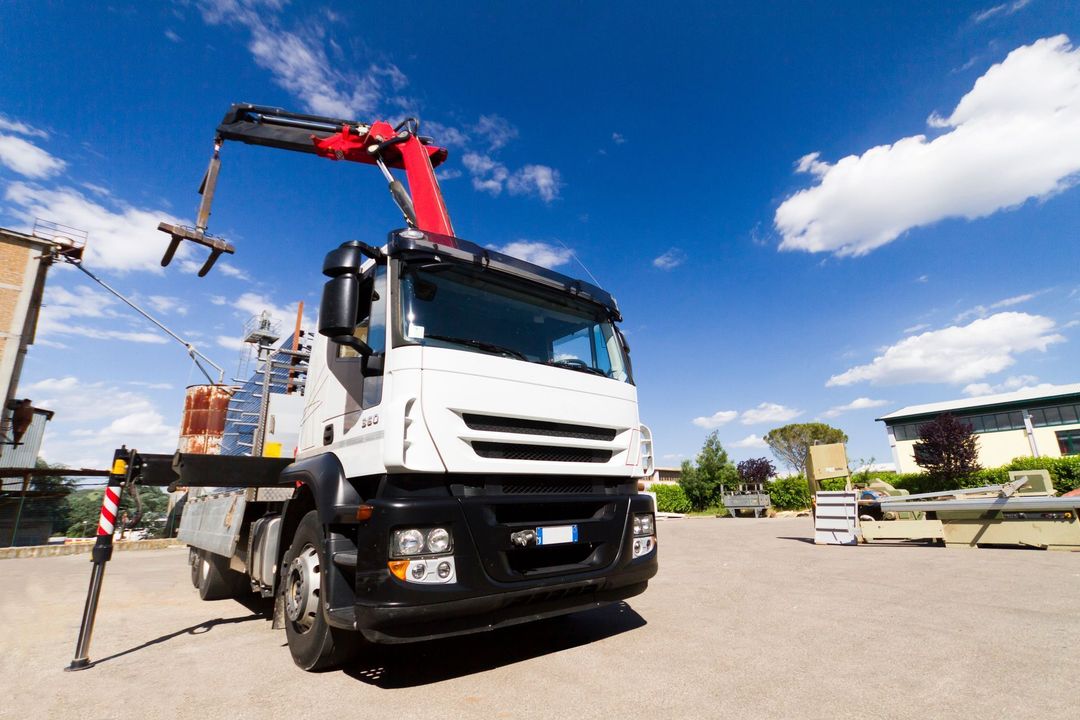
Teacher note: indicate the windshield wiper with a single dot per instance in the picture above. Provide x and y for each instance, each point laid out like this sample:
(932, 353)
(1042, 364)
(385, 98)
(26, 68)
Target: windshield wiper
(480, 344)
(579, 365)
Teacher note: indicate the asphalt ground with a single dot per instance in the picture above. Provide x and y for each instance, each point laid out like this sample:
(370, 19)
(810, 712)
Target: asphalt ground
(746, 619)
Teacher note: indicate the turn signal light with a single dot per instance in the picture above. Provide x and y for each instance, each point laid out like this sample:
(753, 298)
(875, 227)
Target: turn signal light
(398, 568)
(363, 512)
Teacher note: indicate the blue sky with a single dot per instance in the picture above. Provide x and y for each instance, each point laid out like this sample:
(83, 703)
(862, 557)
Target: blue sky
(807, 211)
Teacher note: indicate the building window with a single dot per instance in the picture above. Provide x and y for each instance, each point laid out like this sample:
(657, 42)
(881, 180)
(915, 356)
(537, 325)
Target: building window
(1069, 442)
(1055, 415)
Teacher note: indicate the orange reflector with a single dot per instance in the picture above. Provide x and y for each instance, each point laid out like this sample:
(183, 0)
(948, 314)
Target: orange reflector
(364, 512)
(398, 568)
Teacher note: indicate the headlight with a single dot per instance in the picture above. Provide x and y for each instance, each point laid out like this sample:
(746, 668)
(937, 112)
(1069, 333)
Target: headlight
(421, 541)
(408, 542)
(644, 525)
(438, 541)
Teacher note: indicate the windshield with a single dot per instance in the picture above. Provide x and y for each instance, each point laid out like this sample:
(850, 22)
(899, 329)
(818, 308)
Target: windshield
(459, 307)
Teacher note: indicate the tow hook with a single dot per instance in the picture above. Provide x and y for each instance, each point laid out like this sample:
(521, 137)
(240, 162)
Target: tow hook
(523, 538)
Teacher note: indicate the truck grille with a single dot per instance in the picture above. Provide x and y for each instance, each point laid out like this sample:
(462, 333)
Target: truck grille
(541, 453)
(493, 423)
(545, 486)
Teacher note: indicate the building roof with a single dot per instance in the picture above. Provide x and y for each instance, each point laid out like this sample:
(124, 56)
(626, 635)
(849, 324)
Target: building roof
(1029, 396)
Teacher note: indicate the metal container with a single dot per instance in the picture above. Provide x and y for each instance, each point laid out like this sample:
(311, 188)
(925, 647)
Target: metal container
(203, 422)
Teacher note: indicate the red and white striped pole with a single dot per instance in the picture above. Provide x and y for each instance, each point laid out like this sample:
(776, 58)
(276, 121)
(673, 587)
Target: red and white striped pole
(102, 553)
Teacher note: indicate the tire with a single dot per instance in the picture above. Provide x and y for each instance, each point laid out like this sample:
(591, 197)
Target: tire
(193, 561)
(313, 642)
(217, 581)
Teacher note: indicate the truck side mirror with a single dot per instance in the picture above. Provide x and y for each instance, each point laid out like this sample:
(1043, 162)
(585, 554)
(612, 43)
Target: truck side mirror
(337, 312)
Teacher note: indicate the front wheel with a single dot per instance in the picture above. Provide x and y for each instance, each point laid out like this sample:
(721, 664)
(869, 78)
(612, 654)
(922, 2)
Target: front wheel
(313, 642)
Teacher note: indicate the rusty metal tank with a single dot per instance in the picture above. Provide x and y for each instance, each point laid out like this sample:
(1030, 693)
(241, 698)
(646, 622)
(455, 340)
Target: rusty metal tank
(203, 422)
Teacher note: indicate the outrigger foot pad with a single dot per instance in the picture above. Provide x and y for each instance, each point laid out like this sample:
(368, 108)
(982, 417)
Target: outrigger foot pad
(179, 233)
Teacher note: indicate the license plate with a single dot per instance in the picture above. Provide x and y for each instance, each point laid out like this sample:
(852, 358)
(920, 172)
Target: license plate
(556, 535)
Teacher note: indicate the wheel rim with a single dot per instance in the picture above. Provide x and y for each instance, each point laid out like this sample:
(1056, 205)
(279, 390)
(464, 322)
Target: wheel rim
(302, 588)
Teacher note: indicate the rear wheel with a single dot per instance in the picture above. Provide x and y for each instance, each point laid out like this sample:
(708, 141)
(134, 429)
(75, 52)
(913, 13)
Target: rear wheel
(195, 563)
(313, 642)
(217, 581)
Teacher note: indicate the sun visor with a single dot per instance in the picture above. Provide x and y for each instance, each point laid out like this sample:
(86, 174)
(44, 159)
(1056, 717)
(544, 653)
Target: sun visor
(403, 243)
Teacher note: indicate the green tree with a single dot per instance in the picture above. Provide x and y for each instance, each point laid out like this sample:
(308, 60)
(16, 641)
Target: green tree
(704, 480)
(791, 443)
(947, 448)
(52, 492)
(84, 508)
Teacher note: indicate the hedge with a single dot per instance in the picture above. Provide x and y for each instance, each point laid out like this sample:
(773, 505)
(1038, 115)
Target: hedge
(1064, 472)
(670, 498)
(790, 493)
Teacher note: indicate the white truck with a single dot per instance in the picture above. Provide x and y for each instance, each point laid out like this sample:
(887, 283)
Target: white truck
(470, 446)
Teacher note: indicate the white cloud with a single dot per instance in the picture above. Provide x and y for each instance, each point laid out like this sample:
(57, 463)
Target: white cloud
(496, 130)
(862, 403)
(617, 138)
(66, 312)
(151, 385)
(26, 158)
(1004, 9)
(1009, 384)
(229, 270)
(20, 128)
(231, 342)
(538, 253)
(123, 238)
(444, 135)
(1015, 300)
(491, 176)
(915, 328)
(94, 417)
(487, 174)
(769, 412)
(980, 311)
(750, 441)
(721, 417)
(540, 180)
(671, 259)
(299, 63)
(225, 268)
(956, 354)
(172, 36)
(167, 304)
(1014, 136)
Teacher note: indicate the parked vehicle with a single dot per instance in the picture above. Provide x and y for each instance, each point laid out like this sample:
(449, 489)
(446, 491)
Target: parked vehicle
(469, 450)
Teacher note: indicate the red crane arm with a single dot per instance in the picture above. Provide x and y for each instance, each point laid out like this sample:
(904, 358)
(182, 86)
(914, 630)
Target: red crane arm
(379, 143)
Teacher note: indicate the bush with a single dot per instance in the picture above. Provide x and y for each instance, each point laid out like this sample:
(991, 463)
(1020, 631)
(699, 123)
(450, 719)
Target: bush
(670, 498)
(790, 493)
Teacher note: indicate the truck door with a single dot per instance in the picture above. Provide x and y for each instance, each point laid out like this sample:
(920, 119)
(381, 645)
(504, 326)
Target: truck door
(360, 378)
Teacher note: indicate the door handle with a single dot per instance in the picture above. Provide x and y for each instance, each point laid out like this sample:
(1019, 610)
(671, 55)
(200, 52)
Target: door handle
(328, 434)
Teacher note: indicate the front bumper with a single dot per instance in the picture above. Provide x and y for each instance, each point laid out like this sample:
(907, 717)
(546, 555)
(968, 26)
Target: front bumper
(497, 584)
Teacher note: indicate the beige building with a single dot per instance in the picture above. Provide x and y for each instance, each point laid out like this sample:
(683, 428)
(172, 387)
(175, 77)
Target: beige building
(666, 475)
(1034, 423)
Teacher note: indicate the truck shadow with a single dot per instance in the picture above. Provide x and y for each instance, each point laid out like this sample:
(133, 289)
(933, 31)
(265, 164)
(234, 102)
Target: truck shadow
(260, 610)
(415, 664)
